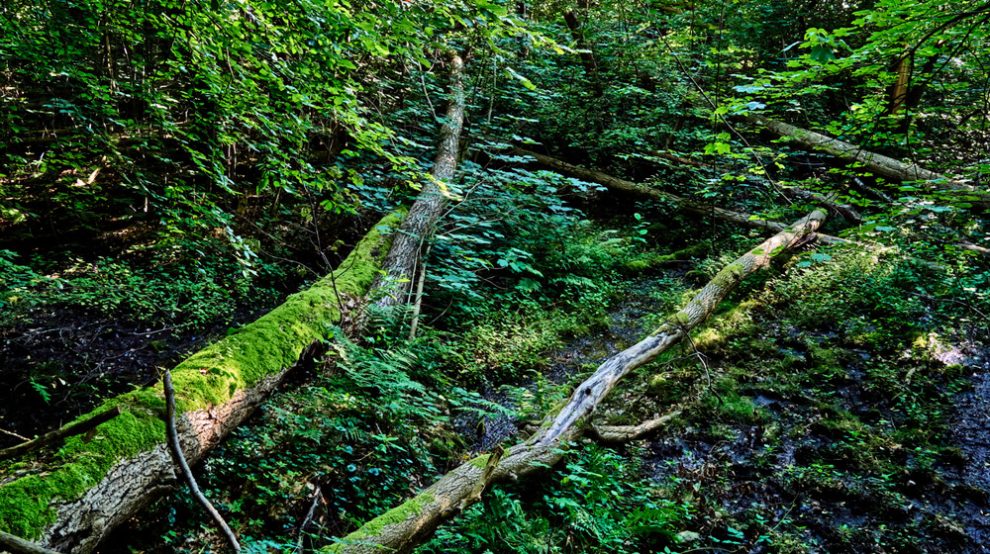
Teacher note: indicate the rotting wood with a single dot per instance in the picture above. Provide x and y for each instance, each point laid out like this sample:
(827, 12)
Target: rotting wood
(16, 545)
(402, 528)
(73, 499)
(180, 460)
(686, 204)
(846, 211)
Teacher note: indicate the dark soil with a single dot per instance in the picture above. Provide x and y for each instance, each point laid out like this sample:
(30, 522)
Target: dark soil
(93, 356)
(835, 468)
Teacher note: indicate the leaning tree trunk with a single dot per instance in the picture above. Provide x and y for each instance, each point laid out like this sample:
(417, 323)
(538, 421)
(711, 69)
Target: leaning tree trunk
(70, 498)
(400, 264)
(876, 163)
(403, 527)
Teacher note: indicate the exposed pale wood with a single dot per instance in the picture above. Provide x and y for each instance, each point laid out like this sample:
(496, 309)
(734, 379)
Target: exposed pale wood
(965, 245)
(404, 527)
(877, 163)
(618, 434)
(175, 447)
(16, 545)
(131, 481)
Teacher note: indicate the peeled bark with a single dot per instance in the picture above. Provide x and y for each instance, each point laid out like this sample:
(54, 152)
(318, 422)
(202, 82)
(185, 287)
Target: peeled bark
(71, 498)
(421, 218)
(71, 501)
(403, 527)
(877, 163)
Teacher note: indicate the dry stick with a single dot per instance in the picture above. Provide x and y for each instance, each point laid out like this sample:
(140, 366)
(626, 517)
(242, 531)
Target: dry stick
(17, 545)
(402, 528)
(180, 460)
(76, 428)
(966, 245)
(308, 519)
(418, 304)
(619, 434)
(13, 434)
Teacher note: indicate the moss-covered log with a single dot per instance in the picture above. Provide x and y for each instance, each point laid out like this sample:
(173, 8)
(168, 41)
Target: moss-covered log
(876, 163)
(403, 527)
(70, 498)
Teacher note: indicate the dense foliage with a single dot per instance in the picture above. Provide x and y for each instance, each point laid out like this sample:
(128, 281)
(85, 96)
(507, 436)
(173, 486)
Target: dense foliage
(170, 170)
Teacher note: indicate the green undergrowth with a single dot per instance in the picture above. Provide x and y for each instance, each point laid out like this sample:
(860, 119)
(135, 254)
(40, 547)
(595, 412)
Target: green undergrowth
(383, 418)
(819, 413)
(827, 413)
(209, 377)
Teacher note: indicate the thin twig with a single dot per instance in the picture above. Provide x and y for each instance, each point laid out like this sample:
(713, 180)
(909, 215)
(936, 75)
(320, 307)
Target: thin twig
(17, 545)
(176, 448)
(76, 428)
(309, 518)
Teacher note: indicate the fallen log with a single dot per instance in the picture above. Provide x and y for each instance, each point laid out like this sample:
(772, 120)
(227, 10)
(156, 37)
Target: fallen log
(876, 163)
(846, 211)
(400, 263)
(71, 498)
(686, 204)
(402, 528)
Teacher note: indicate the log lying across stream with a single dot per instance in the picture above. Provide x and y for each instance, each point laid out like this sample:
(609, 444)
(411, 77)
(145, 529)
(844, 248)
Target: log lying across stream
(403, 527)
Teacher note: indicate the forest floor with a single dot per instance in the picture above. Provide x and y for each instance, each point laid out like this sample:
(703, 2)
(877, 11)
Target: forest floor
(826, 407)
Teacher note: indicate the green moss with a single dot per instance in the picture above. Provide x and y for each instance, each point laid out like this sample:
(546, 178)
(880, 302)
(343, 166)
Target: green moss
(736, 320)
(480, 461)
(650, 260)
(410, 508)
(208, 377)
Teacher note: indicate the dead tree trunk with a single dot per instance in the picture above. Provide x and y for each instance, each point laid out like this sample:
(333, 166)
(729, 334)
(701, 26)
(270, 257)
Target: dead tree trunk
(73, 497)
(587, 56)
(403, 527)
(686, 204)
(418, 224)
(877, 163)
(844, 210)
